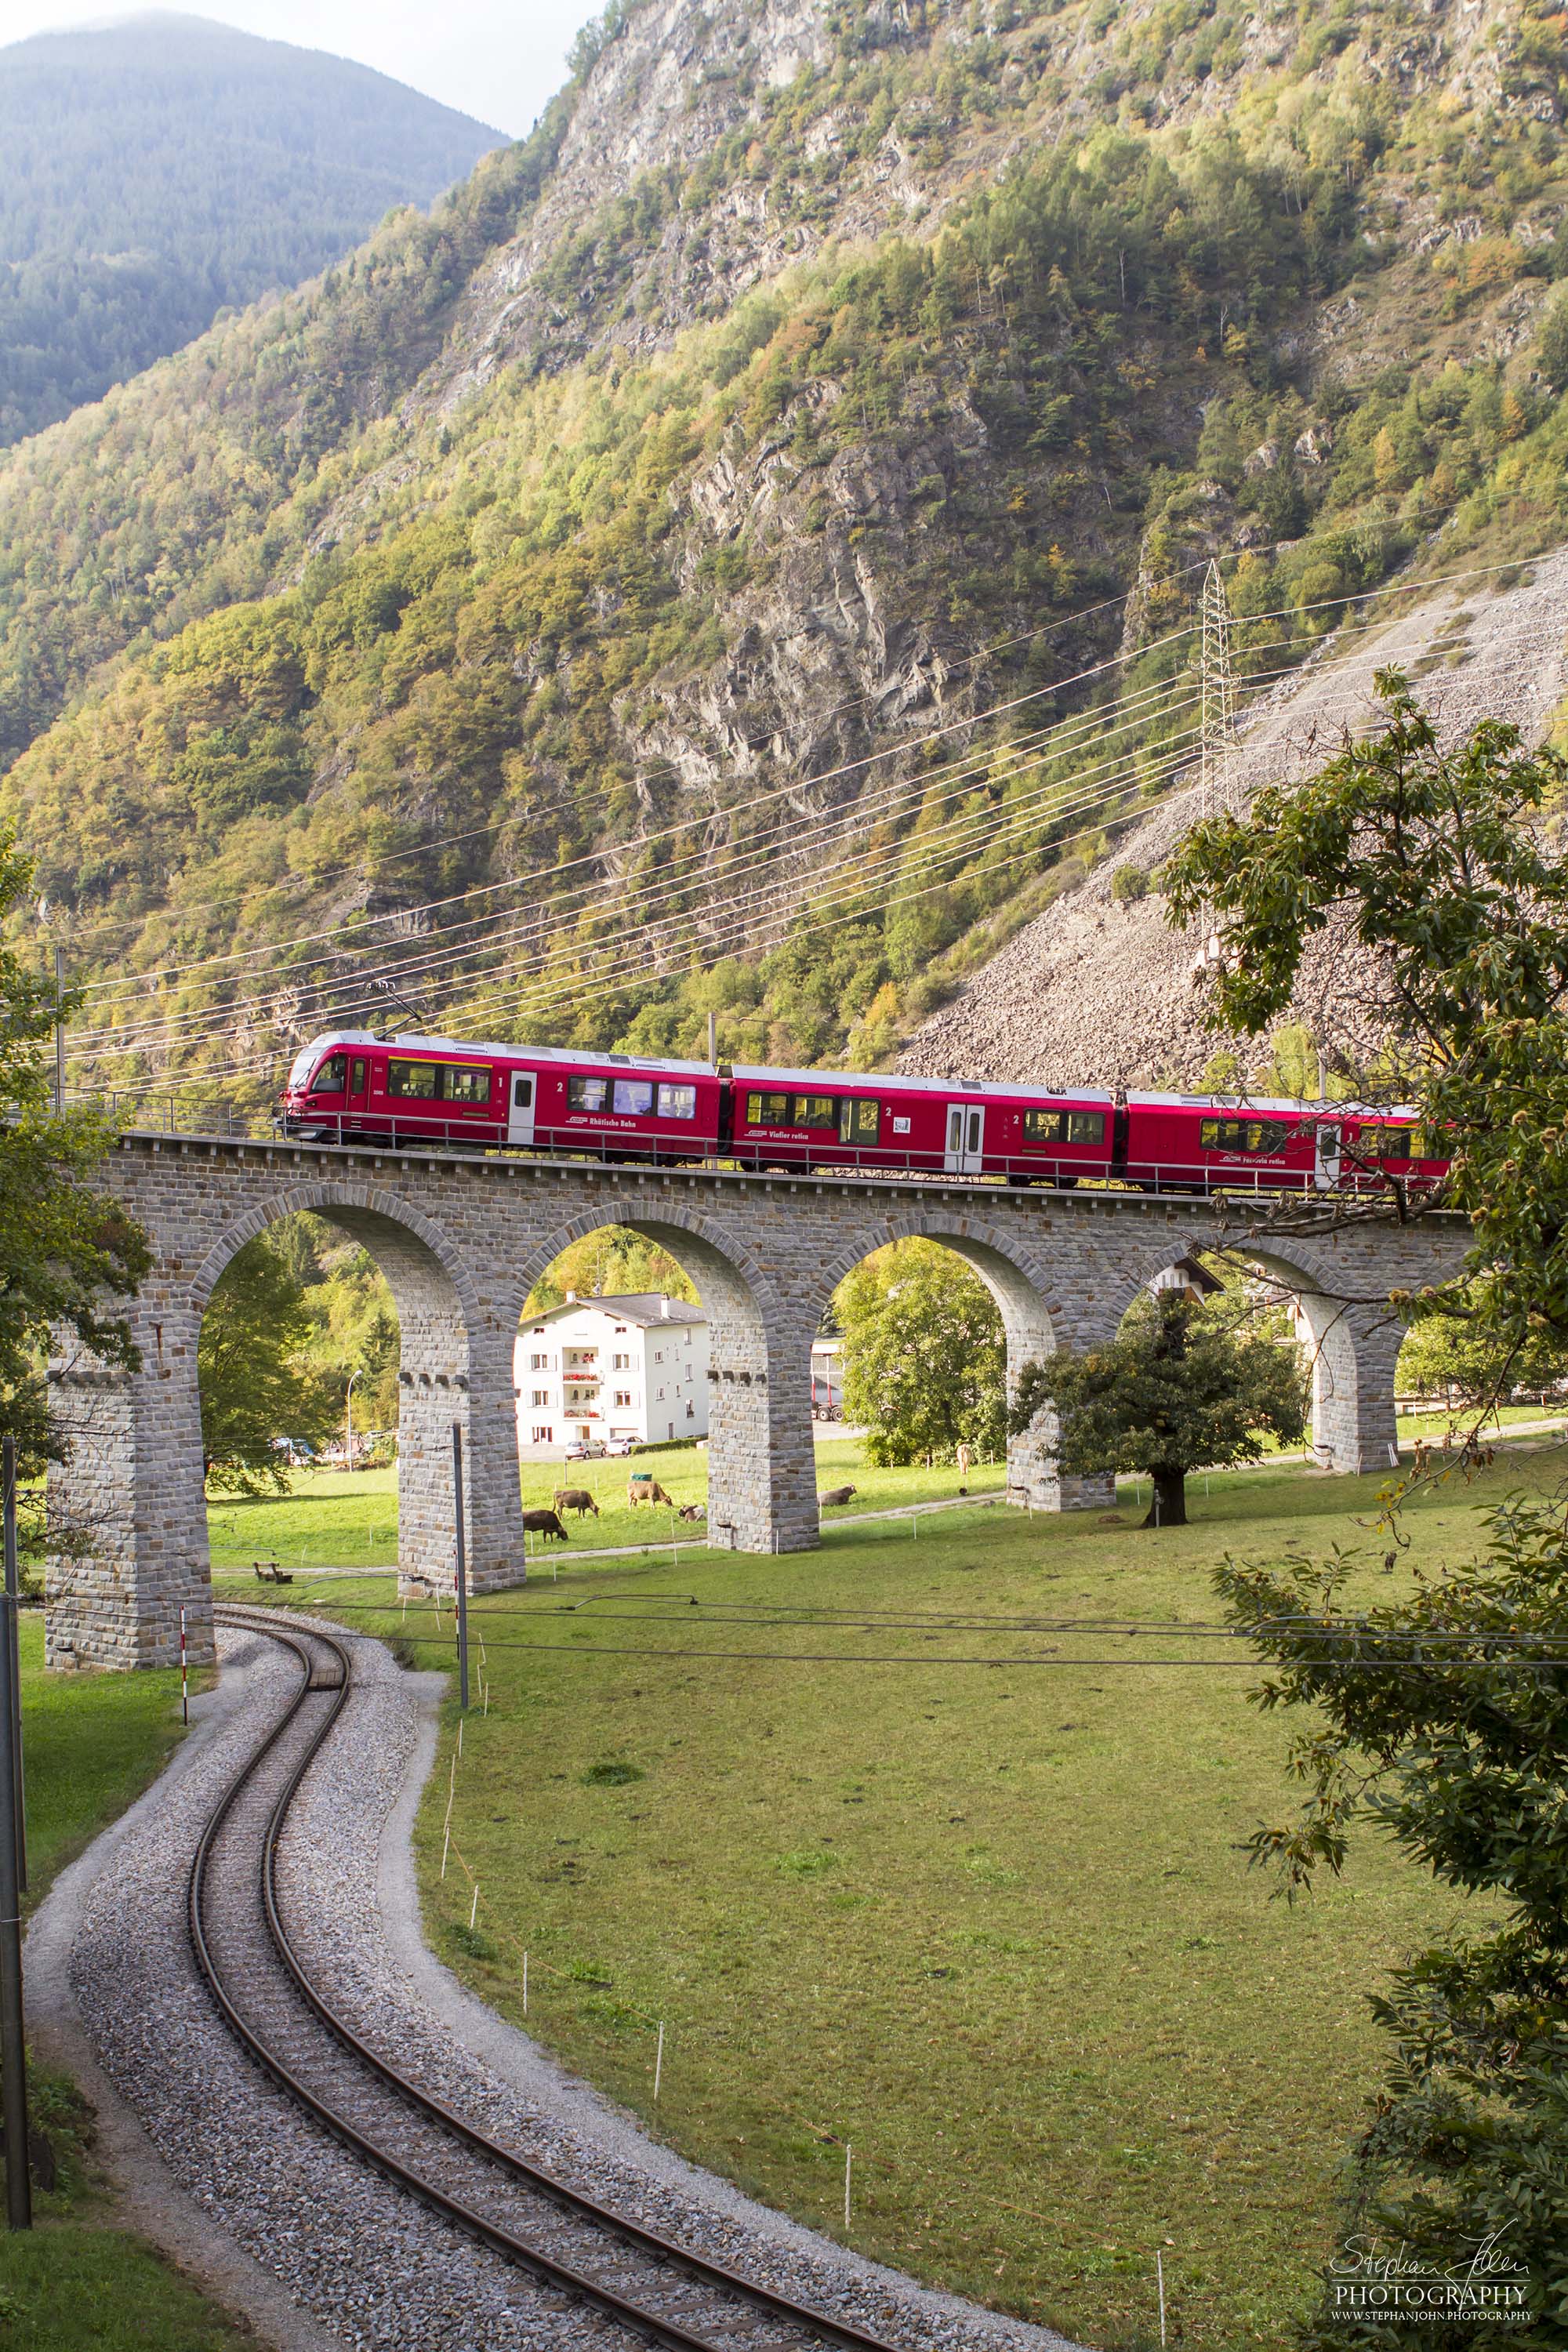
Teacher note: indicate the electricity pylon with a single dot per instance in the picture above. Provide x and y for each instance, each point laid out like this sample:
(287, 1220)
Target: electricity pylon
(1216, 694)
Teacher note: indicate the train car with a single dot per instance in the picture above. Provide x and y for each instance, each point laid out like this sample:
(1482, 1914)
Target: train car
(351, 1086)
(867, 1120)
(1269, 1145)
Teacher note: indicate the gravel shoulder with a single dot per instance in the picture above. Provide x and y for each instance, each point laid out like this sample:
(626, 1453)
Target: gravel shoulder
(263, 2206)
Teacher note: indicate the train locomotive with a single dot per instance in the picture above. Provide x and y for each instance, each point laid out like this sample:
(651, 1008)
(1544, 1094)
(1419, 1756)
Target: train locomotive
(350, 1087)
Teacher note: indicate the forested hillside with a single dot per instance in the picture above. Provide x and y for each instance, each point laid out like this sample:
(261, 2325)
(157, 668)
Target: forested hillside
(157, 171)
(742, 551)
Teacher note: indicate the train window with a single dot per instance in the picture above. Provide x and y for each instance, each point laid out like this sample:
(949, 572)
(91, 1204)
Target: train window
(1384, 1142)
(1043, 1126)
(677, 1102)
(1243, 1135)
(634, 1097)
(767, 1111)
(333, 1076)
(858, 1120)
(413, 1080)
(588, 1094)
(1086, 1126)
(466, 1084)
(814, 1110)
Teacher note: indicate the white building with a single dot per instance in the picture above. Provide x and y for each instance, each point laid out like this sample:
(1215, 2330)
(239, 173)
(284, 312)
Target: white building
(635, 1368)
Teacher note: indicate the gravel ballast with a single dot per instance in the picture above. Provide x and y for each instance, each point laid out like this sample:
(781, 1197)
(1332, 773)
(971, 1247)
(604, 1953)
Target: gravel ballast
(369, 2266)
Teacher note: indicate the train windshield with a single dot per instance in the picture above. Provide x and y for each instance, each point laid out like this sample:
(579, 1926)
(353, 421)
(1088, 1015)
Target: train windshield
(299, 1068)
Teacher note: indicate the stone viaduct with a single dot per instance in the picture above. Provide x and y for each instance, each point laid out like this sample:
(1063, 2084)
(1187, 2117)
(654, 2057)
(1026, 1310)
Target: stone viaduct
(461, 1240)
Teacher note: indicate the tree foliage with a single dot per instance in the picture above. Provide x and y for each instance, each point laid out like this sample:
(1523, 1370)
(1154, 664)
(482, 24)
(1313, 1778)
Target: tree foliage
(925, 1356)
(258, 1388)
(1181, 1386)
(1438, 860)
(69, 1255)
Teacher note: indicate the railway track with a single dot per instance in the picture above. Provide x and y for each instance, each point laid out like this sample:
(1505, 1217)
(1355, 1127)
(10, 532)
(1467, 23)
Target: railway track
(643, 2285)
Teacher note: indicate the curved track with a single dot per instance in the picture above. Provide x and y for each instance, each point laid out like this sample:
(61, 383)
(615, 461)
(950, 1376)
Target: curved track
(644, 2286)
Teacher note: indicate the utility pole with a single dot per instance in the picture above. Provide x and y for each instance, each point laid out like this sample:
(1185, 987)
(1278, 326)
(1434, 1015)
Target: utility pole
(13, 2041)
(1217, 693)
(349, 1420)
(60, 1026)
(462, 1593)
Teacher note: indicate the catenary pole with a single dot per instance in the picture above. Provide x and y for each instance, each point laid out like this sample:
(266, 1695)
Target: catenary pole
(13, 2043)
(462, 1595)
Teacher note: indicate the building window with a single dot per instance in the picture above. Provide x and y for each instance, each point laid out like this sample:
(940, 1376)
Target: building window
(622, 1396)
(661, 1396)
(539, 1363)
(691, 1412)
(544, 1436)
(540, 1396)
(620, 1363)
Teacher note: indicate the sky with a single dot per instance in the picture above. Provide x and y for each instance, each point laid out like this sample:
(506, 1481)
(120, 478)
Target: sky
(496, 59)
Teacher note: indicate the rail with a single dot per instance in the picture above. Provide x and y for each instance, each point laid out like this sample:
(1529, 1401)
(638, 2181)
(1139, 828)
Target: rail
(156, 1116)
(639, 2320)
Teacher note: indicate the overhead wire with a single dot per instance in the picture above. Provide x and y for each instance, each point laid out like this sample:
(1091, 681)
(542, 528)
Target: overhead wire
(904, 745)
(963, 777)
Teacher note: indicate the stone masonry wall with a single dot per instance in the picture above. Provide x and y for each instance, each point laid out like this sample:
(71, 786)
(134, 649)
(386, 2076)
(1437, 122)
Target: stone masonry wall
(462, 1240)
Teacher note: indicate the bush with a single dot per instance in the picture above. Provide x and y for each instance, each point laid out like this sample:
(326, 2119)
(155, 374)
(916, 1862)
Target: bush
(1129, 883)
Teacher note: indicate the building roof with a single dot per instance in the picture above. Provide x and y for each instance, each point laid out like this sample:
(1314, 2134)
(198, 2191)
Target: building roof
(643, 1307)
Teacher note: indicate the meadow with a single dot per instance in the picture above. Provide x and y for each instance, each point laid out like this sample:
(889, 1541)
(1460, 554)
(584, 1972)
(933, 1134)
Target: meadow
(908, 1846)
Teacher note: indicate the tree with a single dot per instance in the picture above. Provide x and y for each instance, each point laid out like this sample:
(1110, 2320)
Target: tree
(256, 1387)
(1181, 1386)
(614, 1261)
(1442, 1718)
(1460, 1357)
(67, 1253)
(924, 1357)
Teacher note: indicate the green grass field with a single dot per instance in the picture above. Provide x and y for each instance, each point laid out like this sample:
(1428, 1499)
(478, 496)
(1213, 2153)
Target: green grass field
(337, 1518)
(902, 1857)
(92, 1743)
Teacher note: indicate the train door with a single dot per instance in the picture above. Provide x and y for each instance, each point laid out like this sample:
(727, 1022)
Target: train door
(965, 1138)
(520, 1109)
(1326, 1162)
(359, 1088)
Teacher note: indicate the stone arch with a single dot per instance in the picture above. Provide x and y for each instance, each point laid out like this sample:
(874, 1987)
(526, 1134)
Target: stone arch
(1031, 1318)
(1352, 1344)
(762, 1477)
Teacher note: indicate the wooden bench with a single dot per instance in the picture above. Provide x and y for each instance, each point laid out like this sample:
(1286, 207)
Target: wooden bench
(269, 1572)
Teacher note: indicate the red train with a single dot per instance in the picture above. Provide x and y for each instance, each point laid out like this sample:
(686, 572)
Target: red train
(351, 1087)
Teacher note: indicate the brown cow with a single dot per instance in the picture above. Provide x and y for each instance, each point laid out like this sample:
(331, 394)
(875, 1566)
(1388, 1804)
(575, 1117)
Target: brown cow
(576, 1498)
(543, 1523)
(832, 1495)
(694, 1510)
(645, 1490)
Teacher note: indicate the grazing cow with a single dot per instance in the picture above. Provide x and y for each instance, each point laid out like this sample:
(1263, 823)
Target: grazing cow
(544, 1523)
(576, 1498)
(645, 1490)
(694, 1510)
(832, 1495)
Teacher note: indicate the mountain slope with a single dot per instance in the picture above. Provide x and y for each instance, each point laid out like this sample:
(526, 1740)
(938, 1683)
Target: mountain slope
(156, 171)
(737, 548)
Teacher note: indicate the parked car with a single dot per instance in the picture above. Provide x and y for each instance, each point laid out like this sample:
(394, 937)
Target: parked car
(586, 1449)
(622, 1445)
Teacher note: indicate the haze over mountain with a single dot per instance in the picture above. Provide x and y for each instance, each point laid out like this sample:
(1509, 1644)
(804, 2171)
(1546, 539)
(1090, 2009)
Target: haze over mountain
(156, 170)
(750, 535)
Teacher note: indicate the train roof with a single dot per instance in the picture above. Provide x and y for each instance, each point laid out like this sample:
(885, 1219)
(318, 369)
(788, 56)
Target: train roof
(868, 1081)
